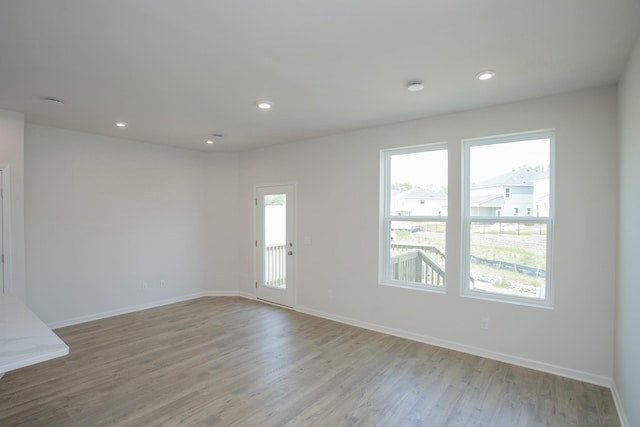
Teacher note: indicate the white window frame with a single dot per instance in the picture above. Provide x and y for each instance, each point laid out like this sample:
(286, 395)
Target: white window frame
(384, 263)
(467, 219)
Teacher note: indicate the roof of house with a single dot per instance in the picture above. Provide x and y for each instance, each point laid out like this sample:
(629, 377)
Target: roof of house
(522, 176)
(487, 200)
(419, 193)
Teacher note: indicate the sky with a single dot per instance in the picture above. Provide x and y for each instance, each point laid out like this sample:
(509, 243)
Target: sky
(492, 160)
(420, 169)
(487, 161)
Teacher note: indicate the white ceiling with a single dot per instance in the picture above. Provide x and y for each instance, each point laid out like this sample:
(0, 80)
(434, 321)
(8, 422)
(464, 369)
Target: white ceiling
(179, 70)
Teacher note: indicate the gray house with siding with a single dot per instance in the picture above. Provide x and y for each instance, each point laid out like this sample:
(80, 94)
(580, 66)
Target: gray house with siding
(521, 192)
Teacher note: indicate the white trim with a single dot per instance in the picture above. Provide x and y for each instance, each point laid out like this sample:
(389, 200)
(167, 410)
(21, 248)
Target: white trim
(624, 421)
(140, 307)
(466, 220)
(218, 294)
(477, 351)
(275, 304)
(6, 229)
(385, 217)
(247, 295)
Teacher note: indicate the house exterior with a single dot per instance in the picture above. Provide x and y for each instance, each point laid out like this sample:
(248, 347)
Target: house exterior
(521, 192)
(419, 202)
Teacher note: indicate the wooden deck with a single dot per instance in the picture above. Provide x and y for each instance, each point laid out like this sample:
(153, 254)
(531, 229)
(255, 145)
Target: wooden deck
(231, 361)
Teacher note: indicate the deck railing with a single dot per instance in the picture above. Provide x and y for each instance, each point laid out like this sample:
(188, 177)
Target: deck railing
(410, 262)
(433, 251)
(417, 263)
(275, 264)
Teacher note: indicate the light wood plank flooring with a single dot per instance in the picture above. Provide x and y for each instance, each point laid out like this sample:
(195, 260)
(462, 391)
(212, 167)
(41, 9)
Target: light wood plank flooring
(231, 361)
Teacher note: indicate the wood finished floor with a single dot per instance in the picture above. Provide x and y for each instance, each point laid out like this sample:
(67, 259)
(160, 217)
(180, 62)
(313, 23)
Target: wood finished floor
(234, 362)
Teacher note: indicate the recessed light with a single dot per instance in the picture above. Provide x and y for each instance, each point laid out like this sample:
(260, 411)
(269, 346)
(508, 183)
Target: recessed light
(121, 124)
(52, 100)
(211, 140)
(485, 75)
(264, 105)
(415, 86)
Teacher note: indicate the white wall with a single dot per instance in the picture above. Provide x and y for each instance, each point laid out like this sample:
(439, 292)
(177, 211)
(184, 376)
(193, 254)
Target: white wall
(627, 368)
(222, 223)
(338, 181)
(104, 215)
(12, 155)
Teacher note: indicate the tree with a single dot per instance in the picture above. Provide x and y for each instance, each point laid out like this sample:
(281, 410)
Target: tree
(401, 186)
(275, 199)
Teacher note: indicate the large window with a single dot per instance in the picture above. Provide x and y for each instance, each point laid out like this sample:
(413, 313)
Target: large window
(508, 218)
(414, 217)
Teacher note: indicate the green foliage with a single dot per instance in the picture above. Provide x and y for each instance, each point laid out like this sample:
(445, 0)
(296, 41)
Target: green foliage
(401, 186)
(540, 168)
(501, 283)
(275, 199)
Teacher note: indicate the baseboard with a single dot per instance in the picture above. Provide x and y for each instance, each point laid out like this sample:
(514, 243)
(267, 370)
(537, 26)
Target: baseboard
(220, 294)
(477, 351)
(624, 421)
(514, 360)
(131, 309)
(247, 295)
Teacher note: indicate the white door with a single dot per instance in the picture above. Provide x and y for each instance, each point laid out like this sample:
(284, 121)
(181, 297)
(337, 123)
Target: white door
(275, 251)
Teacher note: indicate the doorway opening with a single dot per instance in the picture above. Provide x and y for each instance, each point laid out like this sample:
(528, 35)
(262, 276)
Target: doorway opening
(274, 244)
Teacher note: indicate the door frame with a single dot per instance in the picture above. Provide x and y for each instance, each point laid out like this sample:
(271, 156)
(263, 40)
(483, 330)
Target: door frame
(5, 248)
(294, 227)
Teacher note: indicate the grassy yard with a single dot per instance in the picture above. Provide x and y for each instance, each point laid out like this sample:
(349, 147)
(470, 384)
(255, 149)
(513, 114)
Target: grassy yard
(525, 247)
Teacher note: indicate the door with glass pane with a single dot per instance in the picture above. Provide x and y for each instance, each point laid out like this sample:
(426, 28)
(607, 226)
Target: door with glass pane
(275, 251)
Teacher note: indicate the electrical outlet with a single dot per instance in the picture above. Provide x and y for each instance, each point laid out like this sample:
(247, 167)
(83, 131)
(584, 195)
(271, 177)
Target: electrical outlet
(484, 323)
(145, 285)
(163, 283)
